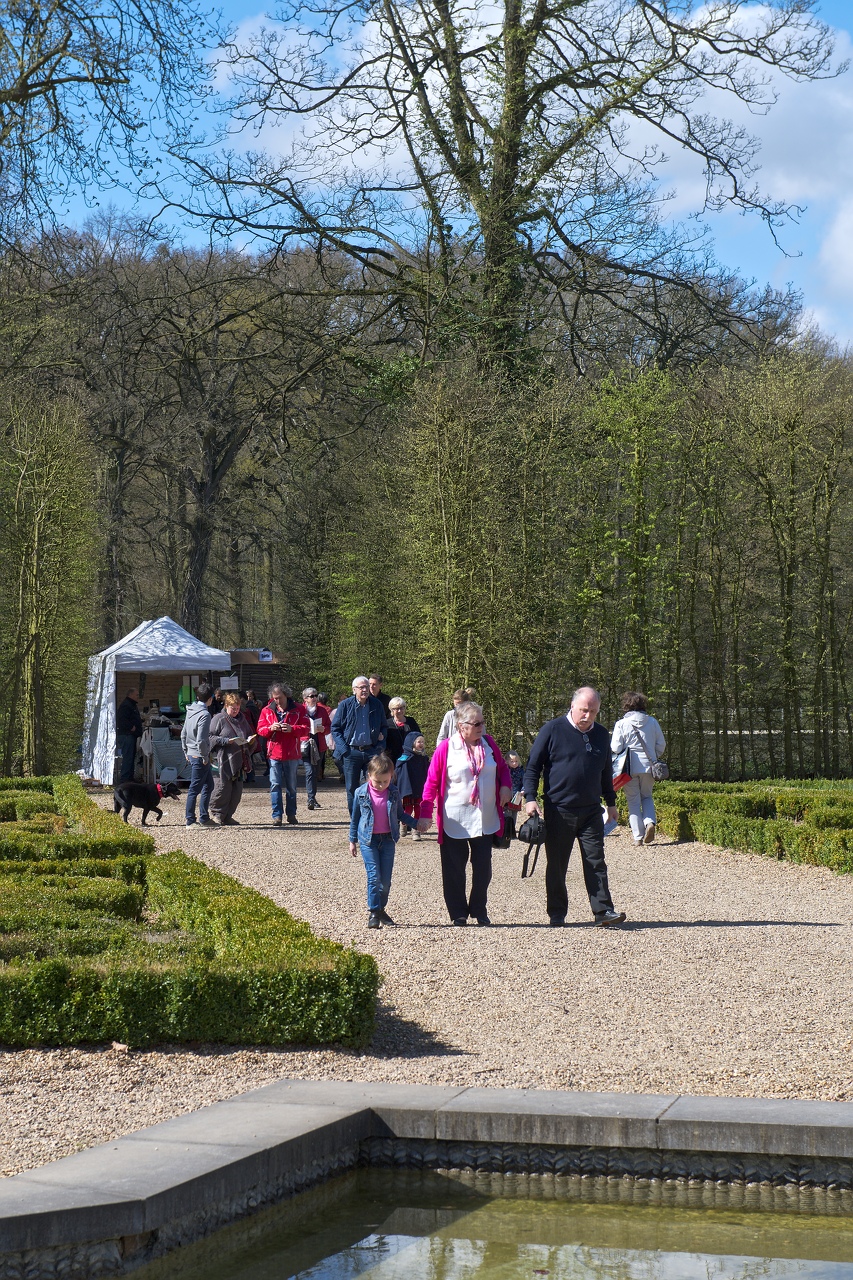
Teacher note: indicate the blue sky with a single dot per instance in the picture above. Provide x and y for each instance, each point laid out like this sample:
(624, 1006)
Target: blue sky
(806, 158)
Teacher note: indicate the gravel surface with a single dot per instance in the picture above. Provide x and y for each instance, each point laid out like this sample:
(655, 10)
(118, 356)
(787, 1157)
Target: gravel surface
(733, 976)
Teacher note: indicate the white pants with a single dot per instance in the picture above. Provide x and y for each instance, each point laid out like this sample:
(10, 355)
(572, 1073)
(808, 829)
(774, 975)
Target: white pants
(641, 806)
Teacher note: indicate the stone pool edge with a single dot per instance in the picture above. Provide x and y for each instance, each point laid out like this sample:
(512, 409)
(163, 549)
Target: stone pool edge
(111, 1208)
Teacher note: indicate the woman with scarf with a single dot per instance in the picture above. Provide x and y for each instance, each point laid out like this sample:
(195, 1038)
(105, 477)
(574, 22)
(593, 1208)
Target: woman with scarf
(470, 781)
(230, 744)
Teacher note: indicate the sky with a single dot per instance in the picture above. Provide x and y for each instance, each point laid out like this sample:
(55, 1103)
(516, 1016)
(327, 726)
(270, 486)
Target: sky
(806, 159)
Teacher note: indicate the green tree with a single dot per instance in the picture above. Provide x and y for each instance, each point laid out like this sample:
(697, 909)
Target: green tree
(47, 517)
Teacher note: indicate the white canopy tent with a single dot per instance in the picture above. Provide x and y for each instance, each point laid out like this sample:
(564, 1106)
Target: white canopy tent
(160, 645)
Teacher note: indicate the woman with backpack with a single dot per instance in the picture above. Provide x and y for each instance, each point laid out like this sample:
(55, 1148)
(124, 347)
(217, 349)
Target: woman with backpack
(639, 737)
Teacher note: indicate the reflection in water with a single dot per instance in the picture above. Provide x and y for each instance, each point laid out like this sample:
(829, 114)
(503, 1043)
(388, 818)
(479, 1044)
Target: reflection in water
(401, 1225)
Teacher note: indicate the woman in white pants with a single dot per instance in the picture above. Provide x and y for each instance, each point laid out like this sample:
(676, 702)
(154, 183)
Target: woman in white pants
(642, 736)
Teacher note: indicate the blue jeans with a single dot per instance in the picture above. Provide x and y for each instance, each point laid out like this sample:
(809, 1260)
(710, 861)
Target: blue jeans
(126, 743)
(201, 784)
(283, 774)
(354, 765)
(378, 855)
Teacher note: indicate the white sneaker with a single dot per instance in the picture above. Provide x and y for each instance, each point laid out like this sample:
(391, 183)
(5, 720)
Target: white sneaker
(416, 835)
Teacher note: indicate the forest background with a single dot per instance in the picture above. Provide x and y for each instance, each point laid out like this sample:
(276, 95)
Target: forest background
(488, 419)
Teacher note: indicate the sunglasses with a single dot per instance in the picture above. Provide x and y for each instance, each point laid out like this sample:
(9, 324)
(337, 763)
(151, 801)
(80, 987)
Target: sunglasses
(587, 742)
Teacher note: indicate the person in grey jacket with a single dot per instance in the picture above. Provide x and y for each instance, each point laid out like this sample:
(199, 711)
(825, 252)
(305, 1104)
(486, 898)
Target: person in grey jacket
(195, 740)
(641, 736)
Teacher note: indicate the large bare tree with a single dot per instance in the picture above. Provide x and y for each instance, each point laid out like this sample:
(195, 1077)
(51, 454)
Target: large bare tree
(466, 146)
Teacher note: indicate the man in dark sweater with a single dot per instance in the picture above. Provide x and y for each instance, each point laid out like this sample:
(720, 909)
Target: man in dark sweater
(573, 753)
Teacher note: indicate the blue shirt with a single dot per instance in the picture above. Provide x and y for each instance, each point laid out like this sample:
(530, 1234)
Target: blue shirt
(361, 733)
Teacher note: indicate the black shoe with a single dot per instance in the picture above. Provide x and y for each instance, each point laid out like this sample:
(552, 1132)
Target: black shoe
(374, 920)
(556, 922)
(461, 921)
(483, 921)
(609, 919)
(385, 918)
(311, 804)
(276, 822)
(229, 822)
(291, 822)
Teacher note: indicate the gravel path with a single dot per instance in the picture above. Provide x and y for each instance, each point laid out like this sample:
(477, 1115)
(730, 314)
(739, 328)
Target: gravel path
(734, 976)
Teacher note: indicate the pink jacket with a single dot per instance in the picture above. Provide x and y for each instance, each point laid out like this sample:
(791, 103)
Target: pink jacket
(435, 786)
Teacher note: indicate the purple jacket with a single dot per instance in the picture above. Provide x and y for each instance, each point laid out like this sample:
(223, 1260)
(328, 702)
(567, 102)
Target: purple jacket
(435, 786)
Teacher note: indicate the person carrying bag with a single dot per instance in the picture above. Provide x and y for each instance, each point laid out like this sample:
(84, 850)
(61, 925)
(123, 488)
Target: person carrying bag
(636, 744)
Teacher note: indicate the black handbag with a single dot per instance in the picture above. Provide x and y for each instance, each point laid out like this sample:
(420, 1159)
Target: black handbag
(532, 832)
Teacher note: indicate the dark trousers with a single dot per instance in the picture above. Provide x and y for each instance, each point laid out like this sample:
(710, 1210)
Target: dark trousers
(562, 826)
(127, 746)
(354, 765)
(454, 861)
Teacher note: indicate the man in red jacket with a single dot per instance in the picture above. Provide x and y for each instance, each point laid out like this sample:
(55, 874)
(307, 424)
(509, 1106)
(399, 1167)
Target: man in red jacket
(282, 724)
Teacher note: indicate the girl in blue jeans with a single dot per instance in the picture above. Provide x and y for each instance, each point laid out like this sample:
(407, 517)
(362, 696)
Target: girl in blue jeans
(377, 812)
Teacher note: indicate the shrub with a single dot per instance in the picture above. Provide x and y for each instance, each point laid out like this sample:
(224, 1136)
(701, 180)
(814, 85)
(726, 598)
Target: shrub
(212, 960)
(804, 823)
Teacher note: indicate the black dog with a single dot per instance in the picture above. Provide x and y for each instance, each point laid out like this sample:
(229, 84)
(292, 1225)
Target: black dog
(145, 796)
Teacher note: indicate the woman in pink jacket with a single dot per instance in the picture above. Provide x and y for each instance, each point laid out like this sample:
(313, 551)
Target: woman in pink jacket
(471, 782)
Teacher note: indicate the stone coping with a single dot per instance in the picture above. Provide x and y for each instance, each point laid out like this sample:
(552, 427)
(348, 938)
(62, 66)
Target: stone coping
(135, 1187)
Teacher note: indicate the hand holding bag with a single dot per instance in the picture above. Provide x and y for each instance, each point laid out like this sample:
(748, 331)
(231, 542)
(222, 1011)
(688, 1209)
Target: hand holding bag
(533, 833)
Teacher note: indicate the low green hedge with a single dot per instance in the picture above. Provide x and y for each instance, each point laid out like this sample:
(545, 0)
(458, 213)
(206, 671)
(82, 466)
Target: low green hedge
(98, 833)
(98, 945)
(130, 870)
(217, 962)
(776, 818)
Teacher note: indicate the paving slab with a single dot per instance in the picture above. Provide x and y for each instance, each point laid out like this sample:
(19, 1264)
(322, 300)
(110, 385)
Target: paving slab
(766, 1126)
(406, 1110)
(553, 1117)
(169, 1171)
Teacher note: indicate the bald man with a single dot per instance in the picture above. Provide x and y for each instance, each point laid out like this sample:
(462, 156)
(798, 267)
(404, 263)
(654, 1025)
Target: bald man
(573, 753)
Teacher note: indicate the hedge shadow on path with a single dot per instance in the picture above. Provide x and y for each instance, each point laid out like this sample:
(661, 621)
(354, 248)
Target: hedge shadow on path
(397, 1037)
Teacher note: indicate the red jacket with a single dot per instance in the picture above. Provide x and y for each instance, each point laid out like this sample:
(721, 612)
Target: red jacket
(319, 713)
(283, 746)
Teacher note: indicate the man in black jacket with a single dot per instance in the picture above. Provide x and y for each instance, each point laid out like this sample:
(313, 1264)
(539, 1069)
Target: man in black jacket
(573, 753)
(128, 732)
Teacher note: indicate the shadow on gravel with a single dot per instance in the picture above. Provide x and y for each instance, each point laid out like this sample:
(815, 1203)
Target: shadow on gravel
(397, 1037)
(634, 925)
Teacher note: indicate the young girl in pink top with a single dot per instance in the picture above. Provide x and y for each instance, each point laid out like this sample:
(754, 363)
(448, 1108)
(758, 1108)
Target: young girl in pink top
(377, 812)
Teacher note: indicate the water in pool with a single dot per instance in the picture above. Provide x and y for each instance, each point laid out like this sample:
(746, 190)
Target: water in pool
(410, 1225)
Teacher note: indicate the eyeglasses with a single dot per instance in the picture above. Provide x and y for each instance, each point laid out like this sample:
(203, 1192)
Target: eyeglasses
(587, 742)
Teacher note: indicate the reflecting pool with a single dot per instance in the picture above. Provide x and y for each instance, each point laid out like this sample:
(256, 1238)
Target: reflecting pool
(408, 1225)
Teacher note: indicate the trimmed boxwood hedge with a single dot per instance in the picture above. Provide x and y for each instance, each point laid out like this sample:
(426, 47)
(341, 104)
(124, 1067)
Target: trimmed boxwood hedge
(150, 949)
(803, 822)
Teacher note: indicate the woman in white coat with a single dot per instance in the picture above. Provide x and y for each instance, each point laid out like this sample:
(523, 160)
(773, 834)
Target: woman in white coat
(641, 735)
